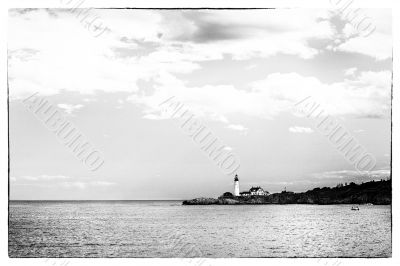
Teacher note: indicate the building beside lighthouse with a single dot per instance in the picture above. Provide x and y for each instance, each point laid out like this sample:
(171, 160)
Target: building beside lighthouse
(258, 191)
(236, 186)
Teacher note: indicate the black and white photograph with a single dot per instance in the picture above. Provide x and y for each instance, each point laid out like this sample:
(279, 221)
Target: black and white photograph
(199, 132)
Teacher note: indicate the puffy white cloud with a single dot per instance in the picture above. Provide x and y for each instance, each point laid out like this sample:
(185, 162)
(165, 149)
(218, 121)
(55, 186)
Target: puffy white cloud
(297, 129)
(350, 71)
(365, 95)
(368, 32)
(51, 51)
(50, 54)
(227, 148)
(69, 108)
(239, 128)
(44, 177)
(76, 184)
(83, 185)
(359, 130)
(377, 45)
(59, 181)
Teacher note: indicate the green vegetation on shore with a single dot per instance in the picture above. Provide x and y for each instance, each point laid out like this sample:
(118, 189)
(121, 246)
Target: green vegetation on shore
(374, 192)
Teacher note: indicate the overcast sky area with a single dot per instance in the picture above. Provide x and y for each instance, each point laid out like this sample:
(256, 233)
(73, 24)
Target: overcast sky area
(239, 72)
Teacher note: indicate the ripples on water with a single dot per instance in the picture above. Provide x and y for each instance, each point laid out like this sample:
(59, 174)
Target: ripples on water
(168, 229)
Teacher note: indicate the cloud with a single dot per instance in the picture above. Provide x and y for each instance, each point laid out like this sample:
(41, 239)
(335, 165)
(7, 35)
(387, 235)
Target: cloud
(378, 44)
(69, 108)
(297, 129)
(250, 67)
(76, 184)
(357, 176)
(159, 47)
(44, 177)
(59, 181)
(155, 41)
(102, 183)
(350, 71)
(88, 100)
(365, 95)
(237, 127)
(77, 61)
(246, 34)
(155, 117)
(83, 185)
(227, 148)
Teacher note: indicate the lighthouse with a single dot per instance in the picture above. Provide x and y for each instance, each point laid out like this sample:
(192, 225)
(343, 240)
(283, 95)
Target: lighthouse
(236, 186)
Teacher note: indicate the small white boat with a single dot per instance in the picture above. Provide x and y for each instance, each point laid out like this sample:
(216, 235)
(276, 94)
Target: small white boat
(355, 208)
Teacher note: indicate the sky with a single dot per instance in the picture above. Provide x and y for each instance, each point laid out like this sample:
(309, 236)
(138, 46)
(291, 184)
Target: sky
(239, 72)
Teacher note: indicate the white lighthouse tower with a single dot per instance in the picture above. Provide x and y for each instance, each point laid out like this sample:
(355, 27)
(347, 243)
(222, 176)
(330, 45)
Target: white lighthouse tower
(236, 186)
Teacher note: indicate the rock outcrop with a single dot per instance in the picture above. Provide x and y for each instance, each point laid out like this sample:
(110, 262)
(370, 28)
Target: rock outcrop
(210, 201)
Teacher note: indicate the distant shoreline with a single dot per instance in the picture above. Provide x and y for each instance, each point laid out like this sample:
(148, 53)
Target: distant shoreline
(373, 192)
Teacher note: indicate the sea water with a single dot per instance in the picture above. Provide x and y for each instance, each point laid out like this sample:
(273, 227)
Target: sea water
(170, 229)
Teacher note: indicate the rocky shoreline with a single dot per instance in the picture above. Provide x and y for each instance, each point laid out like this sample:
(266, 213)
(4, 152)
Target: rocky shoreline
(374, 192)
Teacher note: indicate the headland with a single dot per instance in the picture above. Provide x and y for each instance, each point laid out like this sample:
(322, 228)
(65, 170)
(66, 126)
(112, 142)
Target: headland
(373, 192)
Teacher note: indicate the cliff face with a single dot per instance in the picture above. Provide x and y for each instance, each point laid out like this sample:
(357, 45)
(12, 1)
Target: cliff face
(378, 193)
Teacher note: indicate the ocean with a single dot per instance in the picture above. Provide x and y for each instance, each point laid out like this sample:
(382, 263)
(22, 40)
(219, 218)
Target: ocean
(169, 229)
